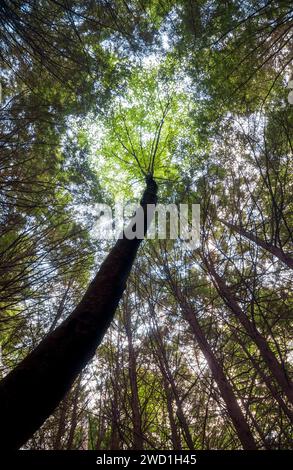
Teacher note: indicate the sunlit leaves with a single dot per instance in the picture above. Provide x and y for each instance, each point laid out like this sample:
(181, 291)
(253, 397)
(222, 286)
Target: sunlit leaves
(144, 131)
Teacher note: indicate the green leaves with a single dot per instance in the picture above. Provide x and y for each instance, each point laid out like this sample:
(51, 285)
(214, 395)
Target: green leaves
(144, 131)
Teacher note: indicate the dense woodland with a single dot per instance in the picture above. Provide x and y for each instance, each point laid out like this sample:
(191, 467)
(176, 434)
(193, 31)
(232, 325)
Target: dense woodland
(97, 95)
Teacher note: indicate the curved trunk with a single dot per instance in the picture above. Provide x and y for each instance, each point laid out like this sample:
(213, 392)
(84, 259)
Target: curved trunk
(31, 392)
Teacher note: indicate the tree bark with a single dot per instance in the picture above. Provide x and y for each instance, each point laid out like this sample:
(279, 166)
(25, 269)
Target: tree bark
(61, 307)
(278, 372)
(267, 380)
(167, 375)
(57, 442)
(74, 415)
(135, 406)
(31, 392)
(176, 442)
(240, 424)
(274, 250)
(159, 348)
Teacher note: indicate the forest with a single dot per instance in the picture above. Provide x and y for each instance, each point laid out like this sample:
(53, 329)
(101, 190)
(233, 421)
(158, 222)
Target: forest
(134, 343)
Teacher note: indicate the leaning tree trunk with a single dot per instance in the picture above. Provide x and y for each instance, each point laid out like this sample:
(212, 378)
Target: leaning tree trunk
(274, 250)
(266, 379)
(276, 369)
(31, 392)
(237, 417)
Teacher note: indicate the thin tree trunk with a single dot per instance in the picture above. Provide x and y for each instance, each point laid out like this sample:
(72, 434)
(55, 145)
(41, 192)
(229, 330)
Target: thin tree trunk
(267, 380)
(274, 250)
(135, 406)
(60, 308)
(114, 440)
(31, 392)
(267, 354)
(57, 442)
(204, 428)
(240, 424)
(115, 408)
(176, 442)
(180, 414)
(74, 415)
(166, 372)
(102, 427)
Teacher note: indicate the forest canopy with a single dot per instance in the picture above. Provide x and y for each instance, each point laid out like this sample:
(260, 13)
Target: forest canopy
(185, 102)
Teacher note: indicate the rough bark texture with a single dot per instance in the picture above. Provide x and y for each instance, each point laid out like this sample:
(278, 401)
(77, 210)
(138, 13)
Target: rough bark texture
(31, 392)
(277, 371)
(274, 250)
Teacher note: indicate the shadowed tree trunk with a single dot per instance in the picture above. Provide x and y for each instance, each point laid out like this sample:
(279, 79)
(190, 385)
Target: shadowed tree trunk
(114, 439)
(240, 424)
(274, 250)
(266, 379)
(172, 393)
(74, 415)
(61, 306)
(31, 392)
(175, 436)
(278, 372)
(57, 443)
(159, 350)
(115, 408)
(101, 427)
(135, 405)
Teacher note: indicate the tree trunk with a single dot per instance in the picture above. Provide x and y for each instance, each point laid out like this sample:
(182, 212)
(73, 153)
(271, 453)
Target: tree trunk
(31, 392)
(274, 250)
(165, 370)
(168, 376)
(176, 442)
(101, 427)
(135, 406)
(267, 380)
(57, 442)
(61, 307)
(74, 415)
(114, 439)
(267, 354)
(240, 424)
